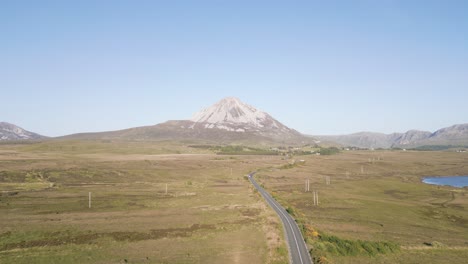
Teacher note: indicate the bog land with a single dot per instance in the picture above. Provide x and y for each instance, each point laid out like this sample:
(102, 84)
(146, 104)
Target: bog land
(170, 202)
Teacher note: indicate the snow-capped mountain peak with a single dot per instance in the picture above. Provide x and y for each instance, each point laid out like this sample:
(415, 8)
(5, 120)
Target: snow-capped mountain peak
(231, 110)
(232, 114)
(12, 132)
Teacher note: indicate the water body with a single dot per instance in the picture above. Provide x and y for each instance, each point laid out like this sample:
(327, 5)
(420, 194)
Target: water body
(455, 181)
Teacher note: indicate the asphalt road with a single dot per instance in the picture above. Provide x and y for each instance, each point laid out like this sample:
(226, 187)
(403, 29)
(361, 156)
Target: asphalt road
(297, 247)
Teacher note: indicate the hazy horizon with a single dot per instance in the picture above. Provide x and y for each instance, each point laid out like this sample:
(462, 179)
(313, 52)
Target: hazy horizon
(322, 68)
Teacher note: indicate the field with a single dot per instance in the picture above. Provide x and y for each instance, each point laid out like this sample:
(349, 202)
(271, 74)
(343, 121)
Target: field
(375, 209)
(377, 196)
(209, 214)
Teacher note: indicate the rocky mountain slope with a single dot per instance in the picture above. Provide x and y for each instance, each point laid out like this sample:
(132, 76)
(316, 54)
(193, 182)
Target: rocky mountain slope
(456, 135)
(12, 132)
(231, 114)
(228, 121)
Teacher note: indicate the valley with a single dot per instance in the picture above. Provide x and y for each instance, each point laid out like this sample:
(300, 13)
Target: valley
(179, 192)
(211, 212)
(244, 132)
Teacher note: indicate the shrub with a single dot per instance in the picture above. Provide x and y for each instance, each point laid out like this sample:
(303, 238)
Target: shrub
(290, 211)
(309, 231)
(321, 260)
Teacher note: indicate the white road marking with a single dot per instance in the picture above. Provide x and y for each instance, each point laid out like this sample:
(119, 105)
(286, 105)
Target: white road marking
(270, 199)
(294, 235)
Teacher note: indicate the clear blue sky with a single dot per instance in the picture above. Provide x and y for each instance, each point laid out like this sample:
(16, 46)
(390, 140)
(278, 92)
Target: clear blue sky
(321, 67)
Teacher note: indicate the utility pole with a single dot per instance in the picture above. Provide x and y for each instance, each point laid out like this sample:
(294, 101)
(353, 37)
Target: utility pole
(316, 199)
(89, 200)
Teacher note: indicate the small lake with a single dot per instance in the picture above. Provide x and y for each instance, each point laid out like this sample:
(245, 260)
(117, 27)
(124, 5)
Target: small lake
(455, 181)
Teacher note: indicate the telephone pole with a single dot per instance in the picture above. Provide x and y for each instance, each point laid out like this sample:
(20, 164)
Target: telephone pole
(316, 199)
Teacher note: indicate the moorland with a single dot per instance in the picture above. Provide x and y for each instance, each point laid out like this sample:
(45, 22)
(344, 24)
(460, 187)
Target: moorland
(177, 202)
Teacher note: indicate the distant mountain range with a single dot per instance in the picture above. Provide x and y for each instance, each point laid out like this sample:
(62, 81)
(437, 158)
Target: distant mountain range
(232, 121)
(12, 132)
(456, 135)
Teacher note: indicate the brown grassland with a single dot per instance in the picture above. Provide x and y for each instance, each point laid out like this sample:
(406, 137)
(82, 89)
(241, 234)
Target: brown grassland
(210, 215)
(207, 215)
(377, 196)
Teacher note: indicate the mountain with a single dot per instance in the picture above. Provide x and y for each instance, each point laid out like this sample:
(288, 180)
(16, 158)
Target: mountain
(231, 114)
(453, 135)
(12, 132)
(456, 135)
(227, 121)
(410, 137)
(361, 140)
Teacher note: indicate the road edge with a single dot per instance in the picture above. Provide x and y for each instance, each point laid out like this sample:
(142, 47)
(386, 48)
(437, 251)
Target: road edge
(250, 175)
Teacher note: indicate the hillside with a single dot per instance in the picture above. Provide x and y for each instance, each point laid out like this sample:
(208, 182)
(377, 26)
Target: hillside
(456, 135)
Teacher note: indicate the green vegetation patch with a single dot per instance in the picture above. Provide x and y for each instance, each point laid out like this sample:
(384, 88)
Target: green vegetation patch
(235, 150)
(344, 247)
(325, 246)
(329, 151)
